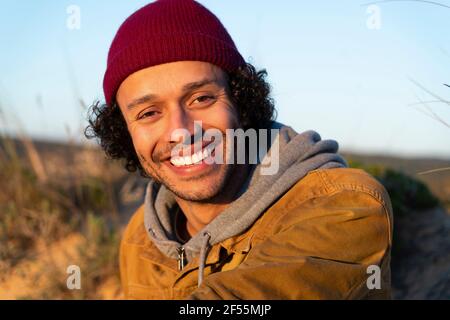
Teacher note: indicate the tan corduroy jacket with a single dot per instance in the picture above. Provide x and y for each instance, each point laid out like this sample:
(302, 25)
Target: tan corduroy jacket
(316, 242)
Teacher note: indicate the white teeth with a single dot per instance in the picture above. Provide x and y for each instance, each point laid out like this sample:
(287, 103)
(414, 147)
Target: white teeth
(177, 161)
(195, 158)
(187, 160)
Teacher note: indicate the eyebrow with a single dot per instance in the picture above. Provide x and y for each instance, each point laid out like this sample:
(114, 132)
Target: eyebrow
(186, 88)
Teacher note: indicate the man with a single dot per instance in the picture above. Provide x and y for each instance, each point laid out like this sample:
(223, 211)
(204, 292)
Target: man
(296, 223)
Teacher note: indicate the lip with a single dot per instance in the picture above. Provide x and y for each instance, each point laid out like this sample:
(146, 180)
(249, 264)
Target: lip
(192, 169)
(168, 157)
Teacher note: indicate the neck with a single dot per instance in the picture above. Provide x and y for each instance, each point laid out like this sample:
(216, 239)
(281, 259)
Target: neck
(199, 214)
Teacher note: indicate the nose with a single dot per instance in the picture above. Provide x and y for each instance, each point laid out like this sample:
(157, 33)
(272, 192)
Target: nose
(180, 126)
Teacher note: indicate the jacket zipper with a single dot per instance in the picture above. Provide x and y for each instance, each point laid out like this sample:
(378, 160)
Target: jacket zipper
(181, 258)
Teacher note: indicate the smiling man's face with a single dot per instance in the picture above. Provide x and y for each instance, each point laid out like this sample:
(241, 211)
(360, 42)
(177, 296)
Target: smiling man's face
(157, 101)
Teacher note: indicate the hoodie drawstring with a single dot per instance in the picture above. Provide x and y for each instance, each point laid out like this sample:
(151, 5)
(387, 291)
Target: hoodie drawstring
(203, 254)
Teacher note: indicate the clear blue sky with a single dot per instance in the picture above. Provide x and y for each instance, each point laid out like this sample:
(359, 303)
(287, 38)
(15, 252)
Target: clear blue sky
(329, 71)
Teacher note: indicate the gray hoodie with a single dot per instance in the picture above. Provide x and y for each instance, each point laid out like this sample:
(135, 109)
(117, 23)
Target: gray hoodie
(298, 154)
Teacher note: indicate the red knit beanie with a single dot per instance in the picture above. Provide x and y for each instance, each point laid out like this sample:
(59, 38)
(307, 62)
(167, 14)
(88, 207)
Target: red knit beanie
(168, 31)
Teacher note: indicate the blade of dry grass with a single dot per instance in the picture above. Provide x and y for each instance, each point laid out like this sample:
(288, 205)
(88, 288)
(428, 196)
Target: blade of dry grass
(434, 170)
(419, 1)
(433, 115)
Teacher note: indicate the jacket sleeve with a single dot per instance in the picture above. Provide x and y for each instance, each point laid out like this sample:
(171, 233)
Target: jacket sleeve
(320, 249)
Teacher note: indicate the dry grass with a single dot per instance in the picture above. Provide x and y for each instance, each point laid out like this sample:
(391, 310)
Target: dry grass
(46, 203)
(430, 113)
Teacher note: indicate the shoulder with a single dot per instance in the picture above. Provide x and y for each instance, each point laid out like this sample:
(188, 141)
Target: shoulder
(329, 196)
(356, 188)
(346, 183)
(325, 182)
(351, 179)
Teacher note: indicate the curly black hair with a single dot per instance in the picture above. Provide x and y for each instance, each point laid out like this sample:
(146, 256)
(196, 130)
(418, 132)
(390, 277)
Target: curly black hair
(249, 91)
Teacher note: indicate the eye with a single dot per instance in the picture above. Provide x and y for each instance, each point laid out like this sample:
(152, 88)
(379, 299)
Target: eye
(203, 99)
(147, 114)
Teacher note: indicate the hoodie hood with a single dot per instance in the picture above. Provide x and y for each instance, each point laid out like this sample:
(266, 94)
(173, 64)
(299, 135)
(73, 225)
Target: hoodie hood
(298, 155)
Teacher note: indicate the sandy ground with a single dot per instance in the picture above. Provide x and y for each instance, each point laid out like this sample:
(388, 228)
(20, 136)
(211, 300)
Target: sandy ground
(32, 273)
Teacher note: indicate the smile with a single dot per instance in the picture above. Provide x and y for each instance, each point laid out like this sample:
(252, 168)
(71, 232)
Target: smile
(193, 159)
